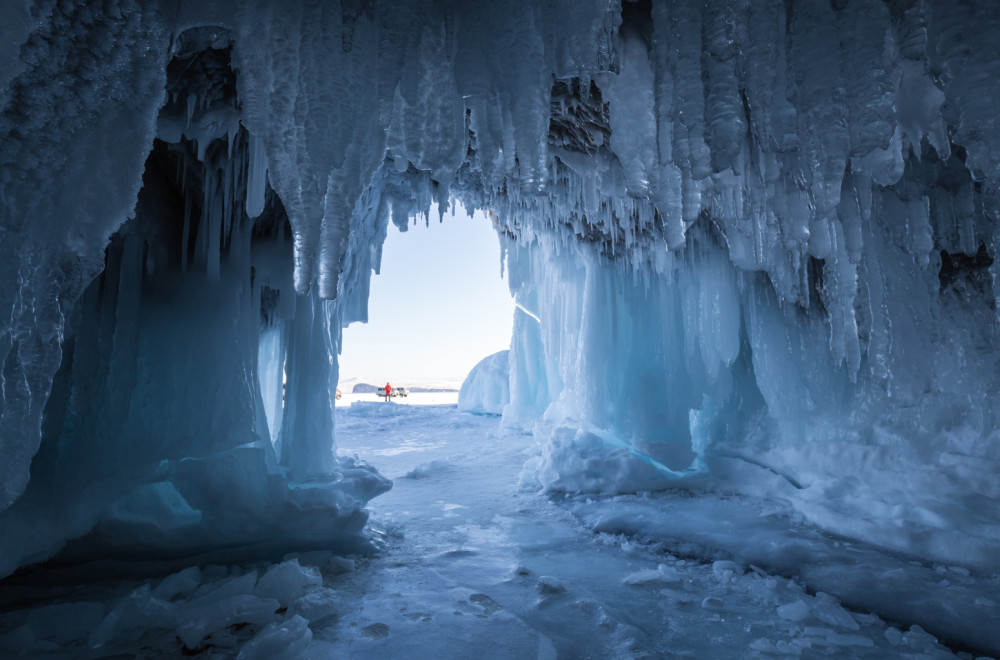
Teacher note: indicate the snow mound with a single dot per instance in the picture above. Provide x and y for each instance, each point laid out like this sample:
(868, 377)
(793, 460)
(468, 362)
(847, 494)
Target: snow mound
(486, 389)
(580, 460)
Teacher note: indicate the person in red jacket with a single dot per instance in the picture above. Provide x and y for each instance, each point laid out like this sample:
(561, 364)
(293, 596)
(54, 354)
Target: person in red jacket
(388, 391)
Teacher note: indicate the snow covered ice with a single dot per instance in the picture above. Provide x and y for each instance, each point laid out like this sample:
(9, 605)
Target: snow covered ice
(487, 389)
(753, 251)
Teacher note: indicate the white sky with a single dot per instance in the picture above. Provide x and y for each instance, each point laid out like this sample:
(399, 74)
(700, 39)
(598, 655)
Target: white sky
(438, 306)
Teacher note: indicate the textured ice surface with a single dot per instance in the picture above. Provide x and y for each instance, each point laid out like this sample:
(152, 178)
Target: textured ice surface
(474, 567)
(487, 387)
(749, 241)
(769, 536)
(222, 611)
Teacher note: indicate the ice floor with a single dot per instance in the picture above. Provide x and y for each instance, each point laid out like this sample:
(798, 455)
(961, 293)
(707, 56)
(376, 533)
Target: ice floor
(475, 568)
(471, 567)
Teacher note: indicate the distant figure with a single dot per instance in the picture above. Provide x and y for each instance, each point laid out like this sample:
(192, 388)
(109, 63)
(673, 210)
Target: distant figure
(388, 391)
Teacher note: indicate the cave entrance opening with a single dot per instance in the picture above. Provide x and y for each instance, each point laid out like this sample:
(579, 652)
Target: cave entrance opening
(437, 306)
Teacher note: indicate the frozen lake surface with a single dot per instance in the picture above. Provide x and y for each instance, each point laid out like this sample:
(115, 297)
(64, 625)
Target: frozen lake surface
(475, 567)
(472, 566)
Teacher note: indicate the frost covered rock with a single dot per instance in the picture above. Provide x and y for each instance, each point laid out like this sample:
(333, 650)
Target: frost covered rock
(486, 389)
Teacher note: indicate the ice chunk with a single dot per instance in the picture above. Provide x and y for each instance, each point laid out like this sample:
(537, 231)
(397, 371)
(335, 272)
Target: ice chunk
(918, 638)
(669, 574)
(548, 585)
(795, 611)
(211, 614)
(316, 605)
(725, 569)
(182, 583)
(288, 580)
(828, 610)
(343, 564)
(428, 469)
(229, 586)
(661, 574)
(135, 614)
(712, 603)
(287, 639)
(645, 576)
(321, 559)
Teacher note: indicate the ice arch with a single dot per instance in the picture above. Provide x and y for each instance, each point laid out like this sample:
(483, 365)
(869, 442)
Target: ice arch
(752, 244)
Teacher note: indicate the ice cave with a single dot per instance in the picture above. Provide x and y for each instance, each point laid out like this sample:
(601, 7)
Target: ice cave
(751, 403)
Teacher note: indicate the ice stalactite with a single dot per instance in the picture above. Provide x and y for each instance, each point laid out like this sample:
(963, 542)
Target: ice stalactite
(314, 103)
(157, 433)
(832, 177)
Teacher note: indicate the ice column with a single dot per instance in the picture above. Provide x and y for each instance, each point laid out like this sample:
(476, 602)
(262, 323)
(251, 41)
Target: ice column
(311, 368)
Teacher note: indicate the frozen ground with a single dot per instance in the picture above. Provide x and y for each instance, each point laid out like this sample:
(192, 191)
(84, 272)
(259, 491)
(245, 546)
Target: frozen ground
(473, 567)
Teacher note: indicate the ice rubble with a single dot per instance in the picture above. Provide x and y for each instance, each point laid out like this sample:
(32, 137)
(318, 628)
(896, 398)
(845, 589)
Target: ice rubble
(750, 242)
(263, 614)
(486, 389)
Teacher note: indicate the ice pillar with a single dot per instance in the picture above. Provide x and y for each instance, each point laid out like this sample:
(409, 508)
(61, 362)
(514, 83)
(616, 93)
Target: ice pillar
(307, 447)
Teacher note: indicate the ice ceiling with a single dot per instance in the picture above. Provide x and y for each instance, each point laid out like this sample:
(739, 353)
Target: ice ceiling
(752, 245)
